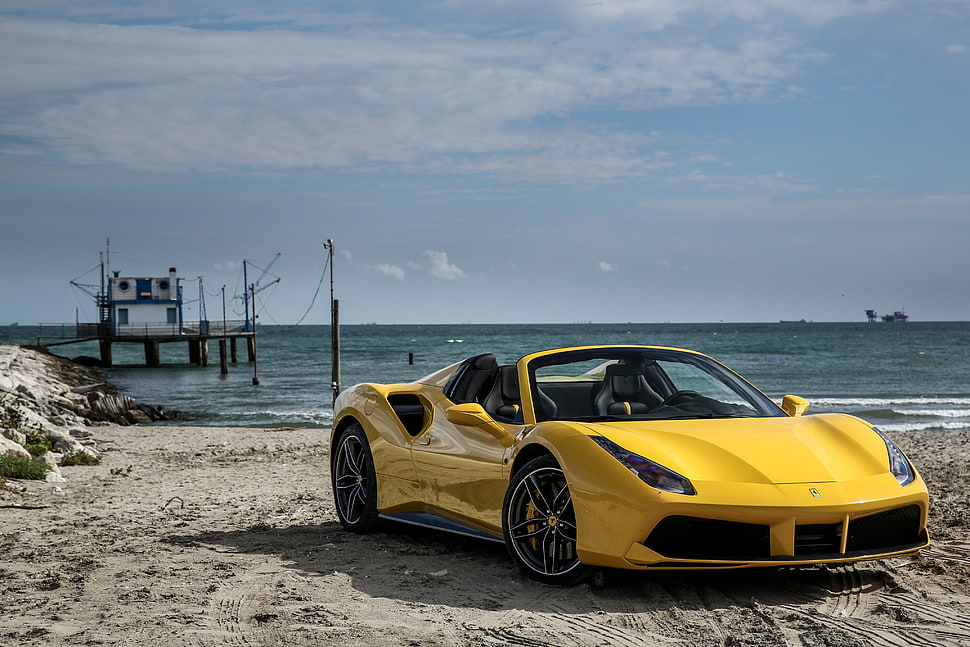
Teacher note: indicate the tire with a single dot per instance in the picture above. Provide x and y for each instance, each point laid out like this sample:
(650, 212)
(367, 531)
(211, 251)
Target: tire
(354, 481)
(539, 524)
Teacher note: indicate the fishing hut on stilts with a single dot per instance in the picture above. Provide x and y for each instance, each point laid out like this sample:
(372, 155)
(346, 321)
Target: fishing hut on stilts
(149, 311)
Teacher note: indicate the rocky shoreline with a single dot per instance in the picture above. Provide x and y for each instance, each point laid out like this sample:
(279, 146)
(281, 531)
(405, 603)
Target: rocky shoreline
(59, 400)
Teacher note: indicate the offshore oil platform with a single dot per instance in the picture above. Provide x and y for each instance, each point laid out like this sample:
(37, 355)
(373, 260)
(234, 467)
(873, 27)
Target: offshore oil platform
(899, 315)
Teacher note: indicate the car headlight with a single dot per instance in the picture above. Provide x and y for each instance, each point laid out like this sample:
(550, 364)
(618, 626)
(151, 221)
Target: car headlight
(653, 474)
(898, 463)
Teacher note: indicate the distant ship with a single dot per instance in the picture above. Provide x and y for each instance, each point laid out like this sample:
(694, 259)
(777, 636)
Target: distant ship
(899, 315)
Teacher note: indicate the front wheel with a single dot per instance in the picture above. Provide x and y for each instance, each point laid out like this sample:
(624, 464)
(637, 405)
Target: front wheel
(354, 481)
(540, 525)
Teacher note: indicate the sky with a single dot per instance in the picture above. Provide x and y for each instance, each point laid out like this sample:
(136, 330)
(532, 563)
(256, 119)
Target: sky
(490, 161)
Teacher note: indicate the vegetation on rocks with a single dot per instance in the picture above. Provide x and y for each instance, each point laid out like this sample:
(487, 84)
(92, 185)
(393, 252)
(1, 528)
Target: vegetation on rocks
(17, 467)
(37, 443)
(80, 458)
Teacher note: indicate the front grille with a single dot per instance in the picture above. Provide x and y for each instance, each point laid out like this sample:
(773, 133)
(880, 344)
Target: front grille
(695, 538)
(899, 527)
(818, 539)
(683, 537)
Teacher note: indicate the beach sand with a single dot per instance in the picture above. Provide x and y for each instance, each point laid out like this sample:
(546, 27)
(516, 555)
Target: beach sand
(210, 536)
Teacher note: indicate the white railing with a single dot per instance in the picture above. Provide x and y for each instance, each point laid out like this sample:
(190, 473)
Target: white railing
(147, 330)
(143, 329)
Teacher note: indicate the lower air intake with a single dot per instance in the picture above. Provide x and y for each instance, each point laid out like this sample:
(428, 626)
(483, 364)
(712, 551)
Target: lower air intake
(695, 538)
(885, 530)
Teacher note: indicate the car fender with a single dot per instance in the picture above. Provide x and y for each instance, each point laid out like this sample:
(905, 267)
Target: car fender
(390, 444)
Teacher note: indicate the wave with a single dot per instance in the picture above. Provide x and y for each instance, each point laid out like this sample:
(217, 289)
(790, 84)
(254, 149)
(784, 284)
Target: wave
(873, 402)
(942, 413)
(909, 413)
(903, 413)
(925, 426)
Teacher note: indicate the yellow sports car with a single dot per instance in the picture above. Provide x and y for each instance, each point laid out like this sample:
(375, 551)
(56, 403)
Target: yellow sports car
(629, 457)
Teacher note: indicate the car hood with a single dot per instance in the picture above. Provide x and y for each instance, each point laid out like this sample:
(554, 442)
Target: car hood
(809, 449)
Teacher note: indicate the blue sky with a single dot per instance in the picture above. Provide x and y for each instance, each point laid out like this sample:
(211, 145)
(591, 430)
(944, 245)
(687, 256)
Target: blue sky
(543, 161)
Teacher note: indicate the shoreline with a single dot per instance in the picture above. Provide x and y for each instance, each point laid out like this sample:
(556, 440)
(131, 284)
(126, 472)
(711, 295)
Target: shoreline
(195, 535)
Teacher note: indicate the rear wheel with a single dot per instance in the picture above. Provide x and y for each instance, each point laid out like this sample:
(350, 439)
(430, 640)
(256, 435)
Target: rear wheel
(540, 525)
(354, 481)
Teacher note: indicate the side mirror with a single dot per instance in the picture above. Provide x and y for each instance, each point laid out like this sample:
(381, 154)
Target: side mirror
(794, 406)
(471, 414)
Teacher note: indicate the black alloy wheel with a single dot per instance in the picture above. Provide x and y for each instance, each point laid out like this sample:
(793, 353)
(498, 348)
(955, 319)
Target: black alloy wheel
(540, 525)
(354, 481)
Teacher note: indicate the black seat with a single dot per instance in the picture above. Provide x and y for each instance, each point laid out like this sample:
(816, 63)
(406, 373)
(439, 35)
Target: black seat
(546, 407)
(503, 401)
(625, 391)
(473, 379)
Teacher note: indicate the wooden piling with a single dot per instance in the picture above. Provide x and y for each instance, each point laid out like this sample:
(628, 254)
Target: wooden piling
(105, 352)
(234, 355)
(153, 356)
(223, 360)
(203, 352)
(194, 352)
(335, 347)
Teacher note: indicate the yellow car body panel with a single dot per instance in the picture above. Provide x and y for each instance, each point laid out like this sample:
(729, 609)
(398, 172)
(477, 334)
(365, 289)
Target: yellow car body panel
(619, 514)
(784, 481)
(463, 476)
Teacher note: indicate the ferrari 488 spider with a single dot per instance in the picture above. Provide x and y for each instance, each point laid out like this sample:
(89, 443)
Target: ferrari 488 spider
(628, 457)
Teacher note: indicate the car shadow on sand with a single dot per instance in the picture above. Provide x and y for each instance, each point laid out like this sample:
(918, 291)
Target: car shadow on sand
(420, 565)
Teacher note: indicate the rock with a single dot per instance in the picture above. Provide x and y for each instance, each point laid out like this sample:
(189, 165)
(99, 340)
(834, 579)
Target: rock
(15, 435)
(8, 446)
(55, 477)
(48, 393)
(87, 360)
(86, 388)
(64, 443)
(50, 460)
(137, 416)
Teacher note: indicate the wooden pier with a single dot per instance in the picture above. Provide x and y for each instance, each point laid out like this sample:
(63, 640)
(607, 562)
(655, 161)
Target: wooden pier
(151, 338)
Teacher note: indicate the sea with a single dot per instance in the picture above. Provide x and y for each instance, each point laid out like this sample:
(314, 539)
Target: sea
(901, 376)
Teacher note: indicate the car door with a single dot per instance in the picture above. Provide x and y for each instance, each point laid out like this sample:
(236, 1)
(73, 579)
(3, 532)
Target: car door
(462, 471)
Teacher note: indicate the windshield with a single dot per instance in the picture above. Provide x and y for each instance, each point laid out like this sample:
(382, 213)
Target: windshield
(642, 384)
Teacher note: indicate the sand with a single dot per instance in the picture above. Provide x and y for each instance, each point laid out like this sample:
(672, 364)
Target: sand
(222, 536)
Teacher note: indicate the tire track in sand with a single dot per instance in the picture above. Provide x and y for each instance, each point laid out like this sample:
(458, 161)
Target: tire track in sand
(859, 605)
(244, 610)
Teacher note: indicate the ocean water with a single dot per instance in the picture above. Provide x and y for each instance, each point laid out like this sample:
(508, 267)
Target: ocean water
(901, 376)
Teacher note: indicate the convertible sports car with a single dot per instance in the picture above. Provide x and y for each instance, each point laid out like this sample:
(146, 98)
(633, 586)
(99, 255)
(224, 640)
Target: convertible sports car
(628, 457)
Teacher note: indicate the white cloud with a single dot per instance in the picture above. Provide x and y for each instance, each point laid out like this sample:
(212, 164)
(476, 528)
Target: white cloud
(441, 268)
(957, 49)
(607, 267)
(175, 98)
(659, 14)
(391, 270)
